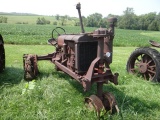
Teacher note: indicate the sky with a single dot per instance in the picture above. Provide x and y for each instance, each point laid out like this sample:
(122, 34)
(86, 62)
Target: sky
(88, 7)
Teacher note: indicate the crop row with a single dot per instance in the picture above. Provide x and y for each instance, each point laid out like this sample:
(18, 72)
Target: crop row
(39, 34)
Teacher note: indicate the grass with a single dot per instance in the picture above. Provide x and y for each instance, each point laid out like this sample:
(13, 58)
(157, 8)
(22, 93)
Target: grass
(55, 96)
(135, 37)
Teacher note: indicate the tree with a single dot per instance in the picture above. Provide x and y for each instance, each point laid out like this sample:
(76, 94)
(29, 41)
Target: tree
(158, 20)
(153, 26)
(42, 21)
(93, 20)
(149, 18)
(102, 23)
(38, 21)
(141, 23)
(57, 17)
(128, 20)
(84, 19)
(63, 20)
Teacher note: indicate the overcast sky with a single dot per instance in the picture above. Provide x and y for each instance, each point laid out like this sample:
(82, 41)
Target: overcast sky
(68, 7)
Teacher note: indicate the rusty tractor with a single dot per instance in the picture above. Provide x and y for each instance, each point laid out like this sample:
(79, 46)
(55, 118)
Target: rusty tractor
(145, 62)
(85, 57)
(2, 54)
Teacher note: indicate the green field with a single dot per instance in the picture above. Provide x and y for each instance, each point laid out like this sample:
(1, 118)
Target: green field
(13, 19)
(39, 34)
(32, 19)
(55, 95)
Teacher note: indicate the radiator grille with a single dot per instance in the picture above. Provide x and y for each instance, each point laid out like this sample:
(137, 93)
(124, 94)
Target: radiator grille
(87, 53)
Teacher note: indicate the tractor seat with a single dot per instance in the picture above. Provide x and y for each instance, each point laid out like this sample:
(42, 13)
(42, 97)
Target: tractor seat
(52, 41)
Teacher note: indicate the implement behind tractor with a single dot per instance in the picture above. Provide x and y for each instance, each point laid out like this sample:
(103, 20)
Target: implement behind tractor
(85, 57)
(2, 54)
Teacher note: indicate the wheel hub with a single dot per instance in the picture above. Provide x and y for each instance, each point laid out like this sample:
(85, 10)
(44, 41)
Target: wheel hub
(142, 67)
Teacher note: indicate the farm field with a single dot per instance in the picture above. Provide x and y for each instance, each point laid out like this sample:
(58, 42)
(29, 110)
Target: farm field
(56, 96)
(39, 34)
(14, 19)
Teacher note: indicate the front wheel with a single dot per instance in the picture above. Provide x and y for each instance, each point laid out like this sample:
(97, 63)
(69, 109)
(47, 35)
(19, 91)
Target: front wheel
(145, 62)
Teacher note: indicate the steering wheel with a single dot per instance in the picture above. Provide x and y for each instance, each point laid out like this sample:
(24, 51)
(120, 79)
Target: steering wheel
(58, 30)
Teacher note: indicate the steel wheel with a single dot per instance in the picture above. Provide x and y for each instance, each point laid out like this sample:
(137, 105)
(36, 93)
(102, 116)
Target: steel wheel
(110, 103)
(30, 67)
(93, 102)
(2, 54)
(145, 62)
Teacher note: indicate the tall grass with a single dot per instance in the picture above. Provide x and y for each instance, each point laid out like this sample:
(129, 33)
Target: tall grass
(56, 96)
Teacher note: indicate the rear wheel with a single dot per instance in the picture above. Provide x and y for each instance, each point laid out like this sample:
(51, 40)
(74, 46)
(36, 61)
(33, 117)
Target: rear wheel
(145, 62)
(2, 54)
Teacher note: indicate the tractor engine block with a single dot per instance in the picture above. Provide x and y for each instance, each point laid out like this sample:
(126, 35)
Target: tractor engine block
(78, 51)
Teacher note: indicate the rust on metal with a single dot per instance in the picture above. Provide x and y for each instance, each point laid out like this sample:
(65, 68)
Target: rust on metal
(30, 66)
(145, 62)
(154, 43)
(78, 7)
(110, 103)
(85, 57)
(94, 102)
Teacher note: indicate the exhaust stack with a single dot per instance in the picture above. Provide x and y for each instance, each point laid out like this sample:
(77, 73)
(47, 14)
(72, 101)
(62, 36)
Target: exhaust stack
(78, 7)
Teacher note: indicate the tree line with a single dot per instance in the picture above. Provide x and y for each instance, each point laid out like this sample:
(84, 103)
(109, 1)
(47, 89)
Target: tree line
(128, 20)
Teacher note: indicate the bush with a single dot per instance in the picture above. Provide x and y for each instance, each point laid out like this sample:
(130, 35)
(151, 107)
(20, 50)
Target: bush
(55, 23)
(3, 19)
(42, 21)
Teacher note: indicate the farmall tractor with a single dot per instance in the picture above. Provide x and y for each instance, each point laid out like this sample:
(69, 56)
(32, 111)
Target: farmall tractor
(2, 54)
(85, 57)
(145, 62)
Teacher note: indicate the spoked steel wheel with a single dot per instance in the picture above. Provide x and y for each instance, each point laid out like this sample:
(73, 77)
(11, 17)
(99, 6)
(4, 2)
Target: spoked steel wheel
(145, 62)
(2, 54)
